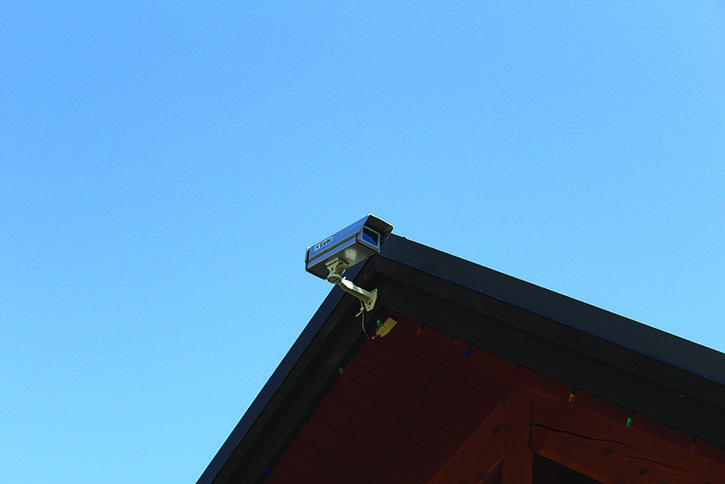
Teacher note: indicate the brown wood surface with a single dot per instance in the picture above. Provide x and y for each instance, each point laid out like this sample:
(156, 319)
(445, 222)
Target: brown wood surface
(413, 410)
(517, 466)
(609, 451)
(479, 454)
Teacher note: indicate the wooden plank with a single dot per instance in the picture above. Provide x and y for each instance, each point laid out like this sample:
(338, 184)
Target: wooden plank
(461, 387)
(458, 384)
(285, 472)
(655, 430)
(369, 462)
(490, 461)
(479, 454)
(388, 383)
(380, 379)
(322, 465)
(396, 473)
(482, 370)
(373, 434)
(518, 464)
(608, 451)
(460, 395)
(342, 447)
(385, 352)
(395, 417)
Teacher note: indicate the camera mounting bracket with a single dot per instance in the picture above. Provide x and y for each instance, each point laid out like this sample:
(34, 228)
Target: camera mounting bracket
(335, 269)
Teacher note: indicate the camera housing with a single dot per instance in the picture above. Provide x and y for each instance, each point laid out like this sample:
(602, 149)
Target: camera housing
(347, 247)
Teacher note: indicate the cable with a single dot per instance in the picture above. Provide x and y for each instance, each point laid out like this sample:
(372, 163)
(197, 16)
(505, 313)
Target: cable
(362, 319)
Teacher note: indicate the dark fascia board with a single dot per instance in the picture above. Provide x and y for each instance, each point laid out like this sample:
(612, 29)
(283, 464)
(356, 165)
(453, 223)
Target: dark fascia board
(644, 339)
(625, 362)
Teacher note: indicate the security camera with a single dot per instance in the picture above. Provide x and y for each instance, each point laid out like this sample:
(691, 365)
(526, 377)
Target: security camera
(329, 258)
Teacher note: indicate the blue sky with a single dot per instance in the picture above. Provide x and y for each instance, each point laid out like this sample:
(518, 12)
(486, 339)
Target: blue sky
(163, 167)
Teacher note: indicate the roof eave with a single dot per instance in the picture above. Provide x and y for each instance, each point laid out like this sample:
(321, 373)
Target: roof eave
(627, 363)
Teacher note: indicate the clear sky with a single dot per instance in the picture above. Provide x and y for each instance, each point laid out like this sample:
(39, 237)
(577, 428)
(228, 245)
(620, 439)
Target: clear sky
(164, 165)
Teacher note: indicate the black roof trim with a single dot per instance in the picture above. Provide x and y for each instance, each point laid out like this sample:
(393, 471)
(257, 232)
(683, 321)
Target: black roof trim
(626, 332)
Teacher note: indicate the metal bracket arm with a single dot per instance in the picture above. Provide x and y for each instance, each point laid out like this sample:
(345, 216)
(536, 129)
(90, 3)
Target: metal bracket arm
(335, 267)
(367, 297)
